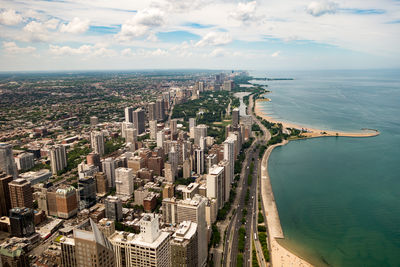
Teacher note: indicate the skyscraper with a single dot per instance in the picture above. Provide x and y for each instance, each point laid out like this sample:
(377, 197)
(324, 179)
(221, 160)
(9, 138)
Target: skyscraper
(160, 109)
(87, 192)
(108, 167)
(58, 158)
(131, 135)
(113, 208)
(235, 117)
(160, 139)
(199, 131)
(199, 161)
(66, 201)
(101, 183)
(216, 185)
(184, 245)
(139, 120)
(124, 181)
(173, 126)
(152, 111)
(21, 222)
(129, 114)
(21, 193)
(5, 202)
(7, 164)
(97, 142)
(94, 120)
(149, 248)
(153, 129)
(24, 161)
(229, 155)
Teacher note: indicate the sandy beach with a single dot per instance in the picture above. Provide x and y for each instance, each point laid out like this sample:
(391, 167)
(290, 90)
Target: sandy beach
(311, 132)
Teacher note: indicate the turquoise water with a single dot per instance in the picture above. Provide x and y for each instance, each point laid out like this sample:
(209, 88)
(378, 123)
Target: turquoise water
(339, 198)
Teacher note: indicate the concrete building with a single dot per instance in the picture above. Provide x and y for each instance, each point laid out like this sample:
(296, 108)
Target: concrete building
(136, 163)
(94, 121)
(5, 202)
(160, 109)
(124, 126)
(108, 167)
(199, 161)
(216, 185)
(229, 155)
(173, 126)
(169, 172)
(40, 176)
(184, 245)
(106, 226)
(101, 183)
(58, 158)
(139, 119)
(24, 161)
(7, 163)
(153, 129)
(168, 190)
(113, 208)
(131, 135)
(97, 142)
(86, 170)
(129, 114)
(93, 159)
(14, 253)
(192, 125)
(228, 85)
(21, 193)
(187, 169)
(190, 191)
(68, 258)
(235, 117)
(199, 131)
(160, 139)
(156, 164)
(124, 181)
(66, 201)
(21, 222)
(152, 112)
(87, 192)
(149, 248)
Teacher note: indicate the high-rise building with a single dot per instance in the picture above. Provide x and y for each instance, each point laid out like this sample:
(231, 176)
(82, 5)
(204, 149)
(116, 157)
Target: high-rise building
(92, 248)
(168, 190)
(66, 201)
(227, 179)
(7, 163)
(131, 135)
(108, 167)
(160, 139)
(169, 172)
(228, 85)
(106, 226)
(129, 114)
(94, 120)
(229, 155)
(68, 258)
(136, 163)
(87, 192)
(113, 208)
(124, 181)
(173, 126)
(97, 142)
(139, 118)
(86, 170)
(21, 193)
(199, 131)
(192, 124)
(25, 161)
(5, 202)
(193, 210)
(184, 245)
(187, 168)
(124, 126)
(58, 158)
(156, 164)
(160, 109)
(149, 248)
(21, 222)
(235, 117)
(14, 253)
(153, 129)
(93, 159)
(216, 185)
(152, 111)
(199, 161)
(101, 183)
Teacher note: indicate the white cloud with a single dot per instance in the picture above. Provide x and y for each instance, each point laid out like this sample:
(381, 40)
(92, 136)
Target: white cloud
(276, 54)
(218, 52)
(97, 50)
(214, 39)
(52, 24)
(245, 12)
(317, 9)
(75, 26)
(10, 17)
(141, 24)
(12, 48)
(36, 31)
(127, 52)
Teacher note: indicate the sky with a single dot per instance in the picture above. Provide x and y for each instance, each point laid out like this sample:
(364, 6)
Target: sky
(42, 35)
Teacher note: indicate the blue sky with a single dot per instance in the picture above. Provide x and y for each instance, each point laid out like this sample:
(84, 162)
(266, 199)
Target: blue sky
(218, 34)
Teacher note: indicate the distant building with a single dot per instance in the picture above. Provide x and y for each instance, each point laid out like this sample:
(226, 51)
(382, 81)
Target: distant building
(106, 226)
(153, 129)
(199, 161)
(87, 192)
(228, 85)
(139, 119)
(124, 181)
(25, 161)
(173, 126)
(7, 163)
(184, 245)
(199, 131)
(149, 248)
(160, 109)
(129, 114)
(66, 201)
(101, 183)
(113, 208)
(97, 142)
(108, 167)
(160, 139)
(40, 176)
(216, 185)
(131, 135)
(58, 158)
(94, 120)
(229, 155)
(21, 193)
(22, 222)
(14, 253)
(93, 159)
(235, 117)
(152, 111)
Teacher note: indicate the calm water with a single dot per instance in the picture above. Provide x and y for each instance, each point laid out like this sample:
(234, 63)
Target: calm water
(339, 198)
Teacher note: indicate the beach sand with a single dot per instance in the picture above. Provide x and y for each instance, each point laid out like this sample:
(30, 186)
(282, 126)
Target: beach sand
(312, 132)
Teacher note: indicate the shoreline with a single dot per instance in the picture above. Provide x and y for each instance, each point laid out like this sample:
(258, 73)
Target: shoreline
(313, 132)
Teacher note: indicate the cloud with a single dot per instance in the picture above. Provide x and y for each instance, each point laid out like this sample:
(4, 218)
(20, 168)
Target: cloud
(276, 54)
(12, 48)
(10, 17)
(245, 12)
(75, 26)
(52, 24)
(127, 52)
(214, 39)
(218, 52)
(86, 50)
(141, 25)
(317, 9)
(36, 31)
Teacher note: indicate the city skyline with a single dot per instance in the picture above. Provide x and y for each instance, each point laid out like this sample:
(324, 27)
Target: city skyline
(160, 34)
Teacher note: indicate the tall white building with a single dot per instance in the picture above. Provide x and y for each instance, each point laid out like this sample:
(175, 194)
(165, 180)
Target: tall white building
(160, 139)
(199, 131)
(216, 185)
(192, 124)
(139, 117)
(24, 161)
(149, 248)
(97, 142)
(129, 114)
(153, 129)
(173, 126)
(108, 167)
(7, 163)
(199, 161)
(58, 158)
(124, 181)
(229, 155)
(131, 135)
(124, 126)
